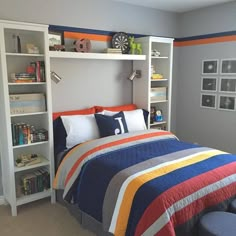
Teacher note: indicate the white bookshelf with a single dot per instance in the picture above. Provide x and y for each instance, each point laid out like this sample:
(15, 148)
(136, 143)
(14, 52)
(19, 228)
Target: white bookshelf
(15, 62)
(162, 65)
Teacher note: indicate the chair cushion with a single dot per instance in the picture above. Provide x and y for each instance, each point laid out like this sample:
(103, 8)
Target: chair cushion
(232, 207)
(218, 223)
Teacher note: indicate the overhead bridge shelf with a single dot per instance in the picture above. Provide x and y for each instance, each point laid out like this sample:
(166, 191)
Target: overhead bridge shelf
(102, 56)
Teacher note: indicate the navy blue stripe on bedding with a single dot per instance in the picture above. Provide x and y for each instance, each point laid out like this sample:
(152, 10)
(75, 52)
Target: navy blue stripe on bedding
(173, 178)
(90, 193)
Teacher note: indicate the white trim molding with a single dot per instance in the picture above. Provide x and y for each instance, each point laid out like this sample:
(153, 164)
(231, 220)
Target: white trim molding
(2, 200)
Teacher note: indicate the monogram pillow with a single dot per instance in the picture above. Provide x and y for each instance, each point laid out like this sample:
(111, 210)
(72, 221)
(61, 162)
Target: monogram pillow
(111, 125)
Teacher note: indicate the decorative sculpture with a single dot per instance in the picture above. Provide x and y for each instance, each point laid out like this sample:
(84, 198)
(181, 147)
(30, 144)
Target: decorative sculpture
(135, 48)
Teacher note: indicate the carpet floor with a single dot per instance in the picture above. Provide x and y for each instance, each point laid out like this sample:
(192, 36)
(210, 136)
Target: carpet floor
(40, 218)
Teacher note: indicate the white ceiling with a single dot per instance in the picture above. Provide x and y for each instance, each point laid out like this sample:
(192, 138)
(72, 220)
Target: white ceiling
(175, 5)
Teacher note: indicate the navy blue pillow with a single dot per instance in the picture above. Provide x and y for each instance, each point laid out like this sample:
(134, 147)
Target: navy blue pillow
(145, 115)
(59, 136)
(111, 125)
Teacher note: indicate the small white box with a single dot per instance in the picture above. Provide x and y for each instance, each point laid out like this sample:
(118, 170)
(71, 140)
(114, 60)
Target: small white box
(27, 103)
(158, 94)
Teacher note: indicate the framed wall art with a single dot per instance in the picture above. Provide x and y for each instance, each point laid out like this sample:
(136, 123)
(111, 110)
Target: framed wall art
(208, 101)
(55, 38)
(209, 84)
(226, 103)
(228, 85)
(228, 67)
(210, 66)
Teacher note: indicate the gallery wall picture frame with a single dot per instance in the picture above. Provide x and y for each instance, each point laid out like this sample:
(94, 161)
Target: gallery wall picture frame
(208, 101)
(209, 84)
(226, 102)
(227, 85)
(210, 67)
(228, 66)
(55, 38)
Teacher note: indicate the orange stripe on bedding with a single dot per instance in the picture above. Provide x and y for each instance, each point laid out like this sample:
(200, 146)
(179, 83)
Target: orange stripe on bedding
(107, 145)
(205, 41)
(96, 37)
(55, 181)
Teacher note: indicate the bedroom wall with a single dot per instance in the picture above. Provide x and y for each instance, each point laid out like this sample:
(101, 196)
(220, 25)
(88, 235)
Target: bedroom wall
(92, 78)
(209, 127)
(99, 15)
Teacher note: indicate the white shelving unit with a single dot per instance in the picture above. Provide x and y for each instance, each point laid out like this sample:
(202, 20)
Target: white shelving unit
(100, 56)
(142, 86)
(15, 62)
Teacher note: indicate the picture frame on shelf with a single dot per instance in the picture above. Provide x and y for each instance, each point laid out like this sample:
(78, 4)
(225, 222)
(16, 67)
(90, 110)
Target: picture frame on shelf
(210, 66)
(208, 101)
(56, 40)
(228, 67)
(226, 102)
(228, 84)
(209, 84)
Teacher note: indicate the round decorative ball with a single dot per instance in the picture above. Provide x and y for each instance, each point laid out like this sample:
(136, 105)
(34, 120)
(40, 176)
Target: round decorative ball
(82, 45)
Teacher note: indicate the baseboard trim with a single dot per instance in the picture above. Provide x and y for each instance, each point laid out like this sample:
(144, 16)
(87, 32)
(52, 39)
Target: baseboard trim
(2, 200)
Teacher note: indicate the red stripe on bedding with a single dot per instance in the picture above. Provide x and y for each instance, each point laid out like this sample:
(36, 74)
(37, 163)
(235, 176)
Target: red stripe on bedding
(210, 200)
(157, 208)
(114, 143)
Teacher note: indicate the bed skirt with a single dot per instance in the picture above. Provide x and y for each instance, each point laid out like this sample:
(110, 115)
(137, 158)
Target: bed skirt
(84, 219)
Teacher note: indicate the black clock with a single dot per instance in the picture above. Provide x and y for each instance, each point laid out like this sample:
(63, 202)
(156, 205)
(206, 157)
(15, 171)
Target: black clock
(120, 40)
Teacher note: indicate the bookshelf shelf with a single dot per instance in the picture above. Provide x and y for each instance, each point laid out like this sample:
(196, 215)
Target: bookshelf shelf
(158, 123)
(24, 54)
(30, 114)
(102, 56)
(27, 84)
(155, 57)
(30, 144)
(44, 162)
(32, 197)
(158, 80)
(157, 101)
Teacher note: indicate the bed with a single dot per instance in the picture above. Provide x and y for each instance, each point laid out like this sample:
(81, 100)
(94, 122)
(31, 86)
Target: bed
(144, 182)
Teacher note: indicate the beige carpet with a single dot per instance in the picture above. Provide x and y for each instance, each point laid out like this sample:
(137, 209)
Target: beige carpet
(40, 218)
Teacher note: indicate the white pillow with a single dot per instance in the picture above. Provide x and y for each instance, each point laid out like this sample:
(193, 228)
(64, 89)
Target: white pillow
(79, 129)
(134, 119)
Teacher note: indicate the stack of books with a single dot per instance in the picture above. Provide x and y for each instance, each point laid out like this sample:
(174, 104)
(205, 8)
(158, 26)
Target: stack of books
(39, 70)
(23, 77)
(36, 74)
(113, 50)
(34, 182)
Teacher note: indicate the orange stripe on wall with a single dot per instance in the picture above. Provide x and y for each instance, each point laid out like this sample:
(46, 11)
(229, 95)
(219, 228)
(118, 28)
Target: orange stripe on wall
(206, 41)
(96, 37)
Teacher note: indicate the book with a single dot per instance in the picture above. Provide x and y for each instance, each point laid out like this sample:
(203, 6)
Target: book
(113, 50)
(22, 77)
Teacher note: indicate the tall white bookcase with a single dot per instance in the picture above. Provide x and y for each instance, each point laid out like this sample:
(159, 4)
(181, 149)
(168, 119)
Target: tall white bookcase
(13, 60)
(143, 87)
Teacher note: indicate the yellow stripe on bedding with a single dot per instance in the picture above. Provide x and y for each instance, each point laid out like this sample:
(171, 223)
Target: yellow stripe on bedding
(137, 182)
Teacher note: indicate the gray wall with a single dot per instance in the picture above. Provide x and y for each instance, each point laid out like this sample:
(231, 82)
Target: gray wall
(214, 128)
(92, 14)
(219, 18)
(90, 79)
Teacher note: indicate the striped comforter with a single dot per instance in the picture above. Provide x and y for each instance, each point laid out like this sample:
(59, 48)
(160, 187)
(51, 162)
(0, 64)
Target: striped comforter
(147, 182)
